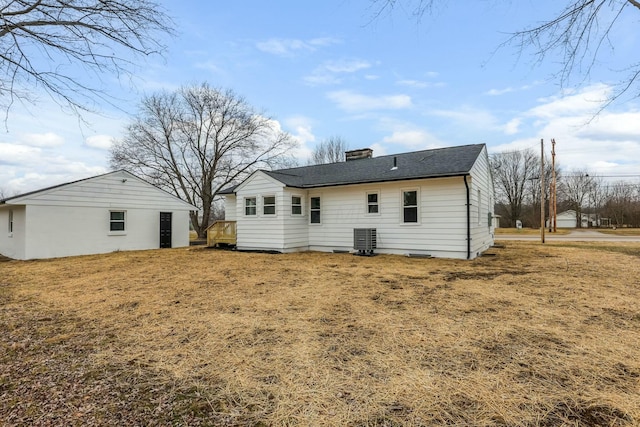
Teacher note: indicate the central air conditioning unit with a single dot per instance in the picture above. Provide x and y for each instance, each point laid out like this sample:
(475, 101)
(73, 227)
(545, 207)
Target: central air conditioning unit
(364, 240)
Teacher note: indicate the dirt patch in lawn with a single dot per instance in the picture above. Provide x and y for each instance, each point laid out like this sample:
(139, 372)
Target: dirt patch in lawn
(536, 335)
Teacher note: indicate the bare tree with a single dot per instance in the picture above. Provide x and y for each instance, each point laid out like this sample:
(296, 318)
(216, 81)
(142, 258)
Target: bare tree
(579, 33)
(330, 150)
(620, 203)
(43, 44)
(513, 173)
(575, 188)
(197, 140)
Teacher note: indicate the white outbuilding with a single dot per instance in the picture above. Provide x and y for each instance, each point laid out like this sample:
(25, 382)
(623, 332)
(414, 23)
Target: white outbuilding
(116, 211)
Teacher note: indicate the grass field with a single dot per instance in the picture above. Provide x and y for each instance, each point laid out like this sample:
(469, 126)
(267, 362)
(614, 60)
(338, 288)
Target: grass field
(529, 335)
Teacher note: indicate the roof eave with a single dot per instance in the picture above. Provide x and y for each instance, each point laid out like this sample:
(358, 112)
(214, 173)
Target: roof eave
(377, 181)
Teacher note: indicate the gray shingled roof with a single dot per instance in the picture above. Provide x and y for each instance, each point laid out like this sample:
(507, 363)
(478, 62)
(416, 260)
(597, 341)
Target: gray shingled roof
(440, 162)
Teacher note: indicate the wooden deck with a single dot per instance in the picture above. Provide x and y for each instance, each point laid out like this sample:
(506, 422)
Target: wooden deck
(221, 232)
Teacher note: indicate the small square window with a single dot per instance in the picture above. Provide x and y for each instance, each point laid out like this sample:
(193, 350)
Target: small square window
(117, 221)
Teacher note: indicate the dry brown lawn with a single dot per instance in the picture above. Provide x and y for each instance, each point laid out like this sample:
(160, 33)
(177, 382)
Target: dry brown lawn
(620, 231)
(535, 335)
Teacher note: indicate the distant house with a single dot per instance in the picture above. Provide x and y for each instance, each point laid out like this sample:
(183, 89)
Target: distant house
(116, 211)
(569, 219)
(432, 202)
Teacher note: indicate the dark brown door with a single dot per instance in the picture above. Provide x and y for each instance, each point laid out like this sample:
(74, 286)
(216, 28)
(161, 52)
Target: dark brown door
(165, 229)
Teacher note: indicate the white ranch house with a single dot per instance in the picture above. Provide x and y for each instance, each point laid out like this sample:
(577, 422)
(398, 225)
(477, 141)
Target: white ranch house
(428, 203)
(116, 211)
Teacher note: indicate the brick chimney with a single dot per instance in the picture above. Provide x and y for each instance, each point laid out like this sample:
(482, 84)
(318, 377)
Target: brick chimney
(362, 153)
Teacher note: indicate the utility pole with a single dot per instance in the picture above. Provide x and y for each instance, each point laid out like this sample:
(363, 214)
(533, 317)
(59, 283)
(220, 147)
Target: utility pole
(553, 194)
(542, 190)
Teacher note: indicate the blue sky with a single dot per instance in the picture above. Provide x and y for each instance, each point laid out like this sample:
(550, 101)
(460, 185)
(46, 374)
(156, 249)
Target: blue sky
(323, 69)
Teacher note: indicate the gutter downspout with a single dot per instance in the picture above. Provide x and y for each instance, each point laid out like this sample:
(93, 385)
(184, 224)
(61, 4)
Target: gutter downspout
(466, 184)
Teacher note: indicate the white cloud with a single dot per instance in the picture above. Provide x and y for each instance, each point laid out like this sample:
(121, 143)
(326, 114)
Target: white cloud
(47, 139)
(330, 71)
(606, 144)
(208, 66)
(415, 139)
(512, 127)
(378, 150)
(301, 128)
(470, 117)
(509, 89)
(418, 84)
(496, 92)
(346, 66)
(584, 103)
(49, 173)
(354, 102)
(289, 47)
(102, 142)
(15, 154)
(413, 83)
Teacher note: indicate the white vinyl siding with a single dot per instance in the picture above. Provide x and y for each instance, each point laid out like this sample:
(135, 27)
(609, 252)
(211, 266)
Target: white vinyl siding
(258, 232)
(481, 181)
(12, 243)
(230, 213)
(296, 226)
(442, 231)
(479, 202)
(75, 218)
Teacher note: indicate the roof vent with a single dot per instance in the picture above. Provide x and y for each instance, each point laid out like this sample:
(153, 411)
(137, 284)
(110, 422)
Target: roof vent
(362, 153)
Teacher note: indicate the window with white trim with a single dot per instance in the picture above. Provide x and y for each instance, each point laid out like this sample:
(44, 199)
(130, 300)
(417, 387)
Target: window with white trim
(269, 205)
(10, 222)
(410, 206)
(296, 205)
(117, 221)
(314, 210)
(372, 203)
(250, 206)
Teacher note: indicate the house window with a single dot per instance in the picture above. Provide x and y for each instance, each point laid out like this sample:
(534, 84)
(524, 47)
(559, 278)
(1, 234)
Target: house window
(410, 206)
(372, 203)
(314, 208)
(269, 205)
(117, 221)
(250, 206)
(10, 222)
(296, 205)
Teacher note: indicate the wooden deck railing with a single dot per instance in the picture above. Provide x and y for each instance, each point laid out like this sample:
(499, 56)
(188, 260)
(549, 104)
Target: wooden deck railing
(221, 232)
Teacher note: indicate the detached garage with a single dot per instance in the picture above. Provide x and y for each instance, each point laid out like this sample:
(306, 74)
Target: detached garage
(116, 211)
